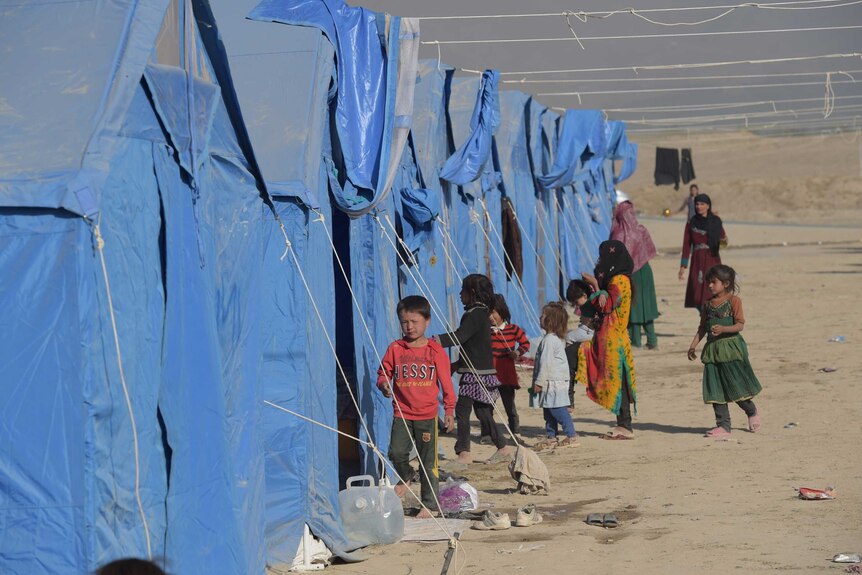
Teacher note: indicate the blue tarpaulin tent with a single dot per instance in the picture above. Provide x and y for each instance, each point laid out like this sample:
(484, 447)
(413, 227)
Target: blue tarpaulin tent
(201, 213)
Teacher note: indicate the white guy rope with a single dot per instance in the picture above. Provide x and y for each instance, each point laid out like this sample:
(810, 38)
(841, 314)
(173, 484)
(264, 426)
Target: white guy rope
(100, 245)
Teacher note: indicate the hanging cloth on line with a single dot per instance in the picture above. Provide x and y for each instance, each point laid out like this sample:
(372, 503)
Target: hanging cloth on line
(686, 167)
(667, 167)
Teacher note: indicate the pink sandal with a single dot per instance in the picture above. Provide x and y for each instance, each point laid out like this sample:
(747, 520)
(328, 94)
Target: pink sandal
(718, 433)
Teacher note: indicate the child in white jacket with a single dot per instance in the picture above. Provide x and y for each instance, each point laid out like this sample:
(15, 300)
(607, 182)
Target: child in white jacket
(550, 389)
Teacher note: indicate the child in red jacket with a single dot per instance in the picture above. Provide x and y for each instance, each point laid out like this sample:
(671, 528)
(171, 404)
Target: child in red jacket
(414, 368)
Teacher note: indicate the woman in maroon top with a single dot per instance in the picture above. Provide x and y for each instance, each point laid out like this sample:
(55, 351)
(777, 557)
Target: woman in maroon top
(704, 235)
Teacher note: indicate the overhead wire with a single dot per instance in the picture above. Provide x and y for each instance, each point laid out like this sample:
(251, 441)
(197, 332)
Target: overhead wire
(690, 88)
(637, 69)
(580, 39)
(680, 78)
(787, 5)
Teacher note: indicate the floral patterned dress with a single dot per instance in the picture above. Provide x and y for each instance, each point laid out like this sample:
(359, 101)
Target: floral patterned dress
(605, 364)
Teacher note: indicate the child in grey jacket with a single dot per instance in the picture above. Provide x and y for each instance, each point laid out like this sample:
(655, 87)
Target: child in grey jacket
(550, 389)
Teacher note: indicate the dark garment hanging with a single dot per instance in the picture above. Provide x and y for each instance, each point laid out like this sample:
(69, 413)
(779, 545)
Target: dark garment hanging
(686, 167)
(667, 167)
(512, 241)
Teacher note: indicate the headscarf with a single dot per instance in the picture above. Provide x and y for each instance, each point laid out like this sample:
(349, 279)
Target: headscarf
(710, 223)
(633, 234)
(614, 259)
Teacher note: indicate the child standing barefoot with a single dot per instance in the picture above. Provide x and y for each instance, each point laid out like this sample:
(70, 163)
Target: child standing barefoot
(727, 373)
(551, 378)
(478, 388)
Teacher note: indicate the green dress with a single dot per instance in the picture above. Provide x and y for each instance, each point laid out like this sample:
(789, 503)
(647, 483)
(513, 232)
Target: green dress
(644, 305)
(727, 373)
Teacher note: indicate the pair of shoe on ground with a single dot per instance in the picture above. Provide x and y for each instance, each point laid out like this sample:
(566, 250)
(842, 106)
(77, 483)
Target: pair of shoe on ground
(721, 433)
(494, 521)
(607, 520)
(555, 442)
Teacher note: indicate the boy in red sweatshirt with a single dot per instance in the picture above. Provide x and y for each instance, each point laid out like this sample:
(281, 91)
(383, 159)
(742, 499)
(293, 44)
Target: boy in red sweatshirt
(413, 369)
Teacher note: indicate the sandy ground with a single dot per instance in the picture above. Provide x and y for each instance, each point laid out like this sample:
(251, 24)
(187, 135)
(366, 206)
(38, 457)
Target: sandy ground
(687, 503)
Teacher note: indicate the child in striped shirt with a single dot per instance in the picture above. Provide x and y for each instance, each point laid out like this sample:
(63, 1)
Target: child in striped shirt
(508, 344)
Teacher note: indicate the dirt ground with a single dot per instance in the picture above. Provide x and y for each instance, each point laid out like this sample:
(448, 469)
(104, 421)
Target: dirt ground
(687, 503)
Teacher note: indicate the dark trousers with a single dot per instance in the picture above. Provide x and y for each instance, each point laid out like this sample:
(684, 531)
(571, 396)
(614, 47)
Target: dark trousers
(722, 412)
(507, 394)
(624, 419)
(572, 359)
(485, 415)
(424, 434)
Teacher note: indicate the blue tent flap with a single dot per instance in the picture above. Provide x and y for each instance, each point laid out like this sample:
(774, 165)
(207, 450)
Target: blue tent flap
(582, 138)
(469, 160)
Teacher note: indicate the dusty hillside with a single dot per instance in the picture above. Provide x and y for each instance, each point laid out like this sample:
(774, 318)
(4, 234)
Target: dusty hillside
(812, 179)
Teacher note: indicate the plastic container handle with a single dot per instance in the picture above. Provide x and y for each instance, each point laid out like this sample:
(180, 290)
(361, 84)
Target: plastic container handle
(358, 479)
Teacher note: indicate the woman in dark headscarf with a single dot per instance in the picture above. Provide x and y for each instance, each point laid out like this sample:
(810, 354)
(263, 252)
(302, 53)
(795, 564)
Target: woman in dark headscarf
(635, 236)
(703, 237)
(605, 364)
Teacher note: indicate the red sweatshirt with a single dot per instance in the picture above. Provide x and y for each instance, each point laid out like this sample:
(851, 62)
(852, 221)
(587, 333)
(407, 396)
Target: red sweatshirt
(415, 373)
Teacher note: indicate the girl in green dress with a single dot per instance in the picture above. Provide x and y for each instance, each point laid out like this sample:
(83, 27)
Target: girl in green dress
(727, 373)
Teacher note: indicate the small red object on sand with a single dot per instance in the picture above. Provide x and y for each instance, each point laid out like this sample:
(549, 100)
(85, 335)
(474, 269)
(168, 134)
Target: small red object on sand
(816, 494)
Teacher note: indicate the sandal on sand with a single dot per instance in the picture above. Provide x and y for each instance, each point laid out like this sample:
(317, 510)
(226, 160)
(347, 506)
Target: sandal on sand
(569, 442)
(616, 434)
(718, 433)
(547, 443)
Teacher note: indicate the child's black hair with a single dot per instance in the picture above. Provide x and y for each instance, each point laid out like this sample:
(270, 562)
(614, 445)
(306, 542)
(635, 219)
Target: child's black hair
(480, 289)
(415, 304)
(577, 289)
(724, 274)
(555, 319)
(501, 307)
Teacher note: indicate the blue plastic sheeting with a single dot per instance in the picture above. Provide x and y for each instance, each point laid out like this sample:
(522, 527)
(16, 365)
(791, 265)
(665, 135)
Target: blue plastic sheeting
(280, 77)
(518, 186)
(367, 47)
(286, 129)
(470, 159)
(630, 163)
(430, 147)
(580, 234)
(210, 394)
(542, 139)
(375, 282)
(619, 148)
(461, 199)
(43, 499)
(59, 125)
(299, 374)
(581, 143)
